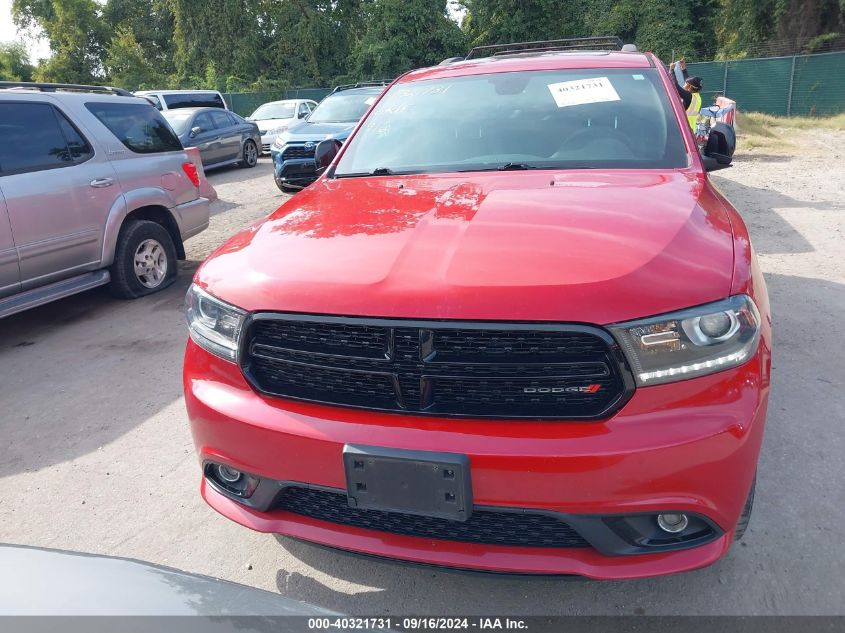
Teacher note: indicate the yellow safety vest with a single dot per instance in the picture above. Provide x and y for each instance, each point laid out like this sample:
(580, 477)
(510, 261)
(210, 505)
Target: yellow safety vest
(693, 110)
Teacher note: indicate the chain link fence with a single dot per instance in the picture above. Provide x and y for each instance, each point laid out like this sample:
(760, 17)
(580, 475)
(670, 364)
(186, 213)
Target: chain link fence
(806, 85)
(245, 103)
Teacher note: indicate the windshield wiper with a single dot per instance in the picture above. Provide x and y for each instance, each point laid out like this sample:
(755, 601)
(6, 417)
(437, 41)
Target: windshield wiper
(515, 167)
(382, 171)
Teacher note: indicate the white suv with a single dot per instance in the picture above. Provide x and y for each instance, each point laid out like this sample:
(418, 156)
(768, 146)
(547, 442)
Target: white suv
(173, 99)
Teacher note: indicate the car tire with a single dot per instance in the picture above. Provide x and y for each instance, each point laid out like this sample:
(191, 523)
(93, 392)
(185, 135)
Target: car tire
(250, 154)
(745, 517)
(144, 260)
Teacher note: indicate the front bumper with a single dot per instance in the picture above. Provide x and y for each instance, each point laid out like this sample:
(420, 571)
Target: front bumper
(293, 172)
(267, 141)
(690, 446)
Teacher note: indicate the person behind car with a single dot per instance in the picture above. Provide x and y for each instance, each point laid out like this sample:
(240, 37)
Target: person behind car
(690, 93)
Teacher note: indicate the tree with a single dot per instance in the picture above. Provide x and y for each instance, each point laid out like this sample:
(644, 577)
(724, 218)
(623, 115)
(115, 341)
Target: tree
(150, 24)
(682, 27)
(14, 62)
(746, 27)
(75, 33)
(506, 21)
(222, 32)
(126, 64)
(406, 34)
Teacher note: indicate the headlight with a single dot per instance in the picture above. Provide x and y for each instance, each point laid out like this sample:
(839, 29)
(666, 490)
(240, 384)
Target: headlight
(693, 342)
(278, 130)
(213, 325)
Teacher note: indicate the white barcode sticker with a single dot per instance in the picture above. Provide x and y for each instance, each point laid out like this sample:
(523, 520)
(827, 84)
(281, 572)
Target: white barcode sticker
(583, 91)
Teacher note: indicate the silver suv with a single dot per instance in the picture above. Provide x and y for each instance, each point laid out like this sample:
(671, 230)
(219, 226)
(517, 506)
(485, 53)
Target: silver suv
(95, 189)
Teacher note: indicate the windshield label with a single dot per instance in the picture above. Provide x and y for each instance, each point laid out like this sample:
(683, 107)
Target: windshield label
(583, 91)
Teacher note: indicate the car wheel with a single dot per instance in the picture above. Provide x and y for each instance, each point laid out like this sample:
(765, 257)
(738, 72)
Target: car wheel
(742, 524)
(250, 154)
(144, 260)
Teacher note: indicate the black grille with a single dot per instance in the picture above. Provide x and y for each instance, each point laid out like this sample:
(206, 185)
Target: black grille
(438, 368)
(297, 151)
(486, 526)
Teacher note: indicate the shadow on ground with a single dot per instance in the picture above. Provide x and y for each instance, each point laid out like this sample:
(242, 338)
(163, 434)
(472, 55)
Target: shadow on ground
(770, 232)
(80, 372)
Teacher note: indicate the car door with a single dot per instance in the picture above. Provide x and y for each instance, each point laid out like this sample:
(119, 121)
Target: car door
(10, 274)
(230, 132)
(207, 139)
(58, 191)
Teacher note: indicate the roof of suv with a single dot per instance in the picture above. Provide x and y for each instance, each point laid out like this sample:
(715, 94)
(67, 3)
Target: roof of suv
(68, 97)
(557, 60)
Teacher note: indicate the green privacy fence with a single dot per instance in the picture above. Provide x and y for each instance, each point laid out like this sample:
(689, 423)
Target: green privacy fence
(808, 85)
(245, 103)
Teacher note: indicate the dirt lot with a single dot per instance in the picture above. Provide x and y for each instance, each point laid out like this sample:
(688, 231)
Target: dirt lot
(97, 455)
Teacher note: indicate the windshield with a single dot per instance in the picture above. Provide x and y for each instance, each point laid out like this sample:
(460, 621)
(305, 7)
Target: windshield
(179, 120)
(274, 111)
(341, 108)
(595, 118)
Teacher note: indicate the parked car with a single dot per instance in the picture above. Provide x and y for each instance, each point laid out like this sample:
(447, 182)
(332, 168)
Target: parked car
(173, 99)
(223, 138)
(513, 327)
(94, 189)
(47, 583)
(335, 117)
(274, 117)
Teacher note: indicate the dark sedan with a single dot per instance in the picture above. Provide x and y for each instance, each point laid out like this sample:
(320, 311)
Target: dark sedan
(222, 137)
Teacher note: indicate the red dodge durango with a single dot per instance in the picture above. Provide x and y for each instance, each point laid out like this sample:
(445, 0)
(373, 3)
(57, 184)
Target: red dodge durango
(512, 327)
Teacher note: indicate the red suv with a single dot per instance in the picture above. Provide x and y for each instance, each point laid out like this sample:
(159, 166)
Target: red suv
(512, 327)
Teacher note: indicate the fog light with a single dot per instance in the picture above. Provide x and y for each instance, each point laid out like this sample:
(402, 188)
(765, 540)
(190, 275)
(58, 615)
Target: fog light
(672, 523)
(229, 475)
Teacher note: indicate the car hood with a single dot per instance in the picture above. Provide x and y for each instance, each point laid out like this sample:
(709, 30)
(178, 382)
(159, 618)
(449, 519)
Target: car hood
(307, 131)
(587, 246)
(58, 583)
(265, 125)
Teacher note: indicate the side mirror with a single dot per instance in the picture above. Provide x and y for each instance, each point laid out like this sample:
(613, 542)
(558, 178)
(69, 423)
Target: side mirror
(721, 144)
(195, 130)
(325, 153)
(301, 115)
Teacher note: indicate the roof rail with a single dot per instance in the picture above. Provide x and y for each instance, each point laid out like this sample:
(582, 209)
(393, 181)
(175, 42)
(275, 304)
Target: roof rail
(363, 84)
(604, 43)
(47, 87)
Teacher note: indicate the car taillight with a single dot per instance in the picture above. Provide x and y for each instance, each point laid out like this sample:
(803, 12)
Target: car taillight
(191, 172)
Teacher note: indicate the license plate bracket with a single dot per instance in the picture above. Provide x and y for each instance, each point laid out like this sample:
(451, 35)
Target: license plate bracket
(423, 483)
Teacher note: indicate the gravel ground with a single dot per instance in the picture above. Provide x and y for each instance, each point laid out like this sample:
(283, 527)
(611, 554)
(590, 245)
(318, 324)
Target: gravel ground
(97, 455)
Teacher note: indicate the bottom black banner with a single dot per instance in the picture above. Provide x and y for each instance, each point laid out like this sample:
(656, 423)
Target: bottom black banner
(535, 624)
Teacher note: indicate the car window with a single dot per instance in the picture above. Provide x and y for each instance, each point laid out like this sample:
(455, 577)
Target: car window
(139, 127)
(32, 139)
(194, 100)
(580, 118)
(80, 149)
(179, 119)
(303, 110)
(342, 108)
(153, 99)
(221, 119)
(204, 122)
(273, 111)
